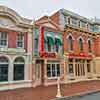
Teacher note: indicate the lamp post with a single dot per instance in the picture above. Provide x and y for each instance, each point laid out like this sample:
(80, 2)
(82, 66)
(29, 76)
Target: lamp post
(58, 88)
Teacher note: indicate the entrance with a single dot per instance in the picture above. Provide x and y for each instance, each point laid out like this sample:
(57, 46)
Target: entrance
(39, 71)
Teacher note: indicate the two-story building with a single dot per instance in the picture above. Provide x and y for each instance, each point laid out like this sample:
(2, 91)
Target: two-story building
(48, 51)
(15, 50)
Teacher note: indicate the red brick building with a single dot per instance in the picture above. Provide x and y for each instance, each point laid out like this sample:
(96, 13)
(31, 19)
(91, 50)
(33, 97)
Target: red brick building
(15, 51)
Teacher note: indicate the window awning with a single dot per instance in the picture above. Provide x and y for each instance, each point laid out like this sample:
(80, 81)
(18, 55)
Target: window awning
(50, 40)
(58, 41)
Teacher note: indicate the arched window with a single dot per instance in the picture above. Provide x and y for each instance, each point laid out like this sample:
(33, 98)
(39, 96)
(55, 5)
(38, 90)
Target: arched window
(19, 65)
(4, 63)
(70, 43)
(81, 44)
(90, 45)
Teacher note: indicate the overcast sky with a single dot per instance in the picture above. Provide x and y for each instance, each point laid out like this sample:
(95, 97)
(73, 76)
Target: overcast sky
(36, 8)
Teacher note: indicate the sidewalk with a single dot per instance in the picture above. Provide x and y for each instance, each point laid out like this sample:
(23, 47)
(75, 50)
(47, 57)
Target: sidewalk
(47, 93)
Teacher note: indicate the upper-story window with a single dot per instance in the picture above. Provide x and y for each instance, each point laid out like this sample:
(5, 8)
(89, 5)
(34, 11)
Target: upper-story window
(3, 39)
(91, 27)
(74, 22)
(80, 44)
(82, 24)
(20, 40)
(90, 45)
(58, 44)
(50, 43)
(96, 28)
(70, 43)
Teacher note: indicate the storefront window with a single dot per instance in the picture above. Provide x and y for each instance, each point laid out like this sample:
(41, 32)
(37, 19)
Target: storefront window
(53, 70)
(19, 69)
(3, 69)
(70, 67)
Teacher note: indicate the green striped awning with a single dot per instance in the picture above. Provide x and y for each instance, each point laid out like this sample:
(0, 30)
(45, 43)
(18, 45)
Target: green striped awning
(50, 40)
(58, 41)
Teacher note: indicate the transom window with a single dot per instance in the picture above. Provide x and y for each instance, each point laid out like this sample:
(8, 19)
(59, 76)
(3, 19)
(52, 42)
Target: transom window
(20, 40)
(53, 70)
(3, 39)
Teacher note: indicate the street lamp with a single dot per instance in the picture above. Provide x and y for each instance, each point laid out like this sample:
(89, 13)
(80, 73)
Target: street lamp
(58, 88)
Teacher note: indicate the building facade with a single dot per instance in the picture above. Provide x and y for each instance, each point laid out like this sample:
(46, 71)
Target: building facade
(64, 45)
(15, 50)
(81, 41)
(48, 52)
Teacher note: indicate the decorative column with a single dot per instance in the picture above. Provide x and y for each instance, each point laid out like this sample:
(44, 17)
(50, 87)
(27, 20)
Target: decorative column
(74, 68)
(92, 68)
(10, 71)
(65, 69)
(45, 71)
(85, 67)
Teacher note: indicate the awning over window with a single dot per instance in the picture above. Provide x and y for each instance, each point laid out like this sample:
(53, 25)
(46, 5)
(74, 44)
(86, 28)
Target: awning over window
(58, 41)
(50, 40)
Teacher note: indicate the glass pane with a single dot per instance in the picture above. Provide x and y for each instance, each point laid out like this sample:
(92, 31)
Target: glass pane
(48, 70)
(3, 72)
(53, 70)
(70, 66)
(18, 72)
(58, 69)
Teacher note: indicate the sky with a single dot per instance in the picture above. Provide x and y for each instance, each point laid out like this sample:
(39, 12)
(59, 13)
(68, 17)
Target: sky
(34, 9)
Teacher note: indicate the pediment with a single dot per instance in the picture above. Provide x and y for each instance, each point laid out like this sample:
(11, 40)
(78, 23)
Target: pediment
(49, 25)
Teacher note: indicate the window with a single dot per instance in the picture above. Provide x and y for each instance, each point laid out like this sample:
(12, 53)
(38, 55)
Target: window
(89, 46)
(50, 44)
(36, 44)
(19, 69)
(3, 69)
(81, 44)
(70, 43)
(82, 24)
(20, 40)
(91, 27)
(88, 66)
(3, 39)
(70, 68)
(74, 22)
(53, 70)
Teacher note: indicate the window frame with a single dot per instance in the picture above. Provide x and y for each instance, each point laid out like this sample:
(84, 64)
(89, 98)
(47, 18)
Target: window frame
(20, 40)
(55, 70)
(2, 46)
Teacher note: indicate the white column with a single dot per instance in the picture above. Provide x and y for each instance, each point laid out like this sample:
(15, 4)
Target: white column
(10, 71)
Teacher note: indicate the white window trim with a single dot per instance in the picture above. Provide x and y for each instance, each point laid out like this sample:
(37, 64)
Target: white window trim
(80, 37)
(70, 34)
(7, 42)
(17, 42)
(55, 71)
(72, 23)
